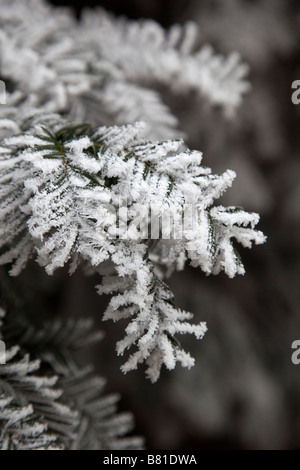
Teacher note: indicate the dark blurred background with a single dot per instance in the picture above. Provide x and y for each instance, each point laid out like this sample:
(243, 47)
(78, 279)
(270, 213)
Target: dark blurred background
(244, 391)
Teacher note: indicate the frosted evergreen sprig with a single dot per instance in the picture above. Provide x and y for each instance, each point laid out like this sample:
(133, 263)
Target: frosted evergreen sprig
(88, 78)
(76, 415)
(81, 194)
(31, 417)
(154, 320)
(64, 187)
(144, 52)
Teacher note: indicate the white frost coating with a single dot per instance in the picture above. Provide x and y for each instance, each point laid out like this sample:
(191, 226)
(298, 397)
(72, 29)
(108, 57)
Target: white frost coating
(65, 198)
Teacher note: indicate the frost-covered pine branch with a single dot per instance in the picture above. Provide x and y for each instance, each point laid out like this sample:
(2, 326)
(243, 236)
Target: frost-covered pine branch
(85, 69)
(91, 175)
(65, 190)
(66, 408)
(31, 416)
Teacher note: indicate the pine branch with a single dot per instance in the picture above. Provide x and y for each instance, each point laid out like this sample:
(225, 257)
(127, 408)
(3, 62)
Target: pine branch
(72, 192)
(31, 416)
(145, 53)
(58, 73)
(95, 422)
(73, 175)
(156, 319)
(77, 178)
(122, 103)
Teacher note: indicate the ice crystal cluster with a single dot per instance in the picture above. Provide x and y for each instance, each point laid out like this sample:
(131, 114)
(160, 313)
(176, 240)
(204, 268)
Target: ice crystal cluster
(89, 151)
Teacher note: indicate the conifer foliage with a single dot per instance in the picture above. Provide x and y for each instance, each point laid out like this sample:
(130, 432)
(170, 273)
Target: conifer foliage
(81, 172)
